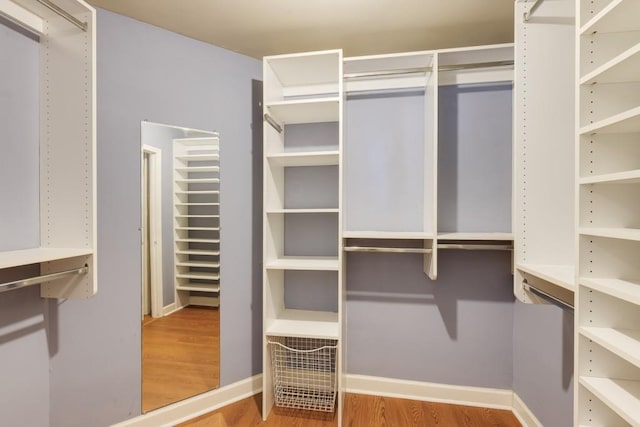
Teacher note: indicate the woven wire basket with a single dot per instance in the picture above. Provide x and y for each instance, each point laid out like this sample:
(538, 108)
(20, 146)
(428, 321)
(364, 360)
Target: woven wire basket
(304, 372)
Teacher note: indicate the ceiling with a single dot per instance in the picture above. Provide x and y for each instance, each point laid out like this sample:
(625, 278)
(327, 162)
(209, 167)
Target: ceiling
(360, 27)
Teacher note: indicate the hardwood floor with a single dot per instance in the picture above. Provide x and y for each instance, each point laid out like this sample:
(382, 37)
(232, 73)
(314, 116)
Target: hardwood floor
(180, 356)
(360, 411)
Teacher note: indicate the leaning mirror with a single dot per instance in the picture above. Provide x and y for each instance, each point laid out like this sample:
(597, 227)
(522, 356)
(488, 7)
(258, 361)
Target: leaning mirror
(180, 179)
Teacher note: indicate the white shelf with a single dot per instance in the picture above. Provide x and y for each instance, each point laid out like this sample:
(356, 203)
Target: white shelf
(198, 181)
(398, 235)
(199, 252)
(619, 15)
(198, 157)
(623, 68)
(302, 211)
(303, 323)
(203, 264)
(315, 110)
(622, 289)
(37, 255)
(188, 192)
(560, 275)
(303, 263)
(305, 158)
(199, 275)
(195, 240)
(622, 396)
(306, 69)
(627, 177)
(612, 233)
(625, 122)
(197, 204)
(198, 228)
(623, 342)
(199, 287)
(475, 236)
(198, 169)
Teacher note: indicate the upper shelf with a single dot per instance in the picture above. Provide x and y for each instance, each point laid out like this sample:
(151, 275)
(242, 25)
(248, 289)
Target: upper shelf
(398, 235)
(37, 255)
(623, 68)
(618, 288)
(306, 69)
(314, 110)
(625, 122)
(305, 158)
(612, 233)
(619, 15)
(627, 177)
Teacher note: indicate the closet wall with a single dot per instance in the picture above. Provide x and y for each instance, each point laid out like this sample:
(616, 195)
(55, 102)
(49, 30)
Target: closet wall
(79, 361)
(24, 359)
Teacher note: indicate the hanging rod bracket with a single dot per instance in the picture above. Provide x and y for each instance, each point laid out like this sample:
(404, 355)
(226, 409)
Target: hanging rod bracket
(272, 122)
(527, 15)
(66, 15)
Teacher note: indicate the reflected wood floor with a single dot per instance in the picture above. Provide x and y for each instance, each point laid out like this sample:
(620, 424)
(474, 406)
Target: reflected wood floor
(359, 411)
(180, 355)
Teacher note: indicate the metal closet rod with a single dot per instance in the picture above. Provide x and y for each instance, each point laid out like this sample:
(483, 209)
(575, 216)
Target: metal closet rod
(43, 278)
(387, 250)
(273, 123)
(475, 247)
(546, 296)
(527, 15)
(416, 70)
(66, 15)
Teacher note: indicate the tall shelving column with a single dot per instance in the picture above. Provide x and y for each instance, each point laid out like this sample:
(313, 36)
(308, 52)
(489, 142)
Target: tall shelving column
(608, 139)
(303, 99)
(197, 220)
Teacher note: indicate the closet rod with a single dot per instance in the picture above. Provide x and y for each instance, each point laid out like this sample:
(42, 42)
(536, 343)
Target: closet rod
(273, 123)
(455, 67)
(66, 15)
(39, 279)
(527, 15)
(387, 250)
(470, 246)
(546, 296)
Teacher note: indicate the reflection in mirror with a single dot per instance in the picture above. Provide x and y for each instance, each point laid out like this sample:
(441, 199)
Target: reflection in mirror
(180, 178)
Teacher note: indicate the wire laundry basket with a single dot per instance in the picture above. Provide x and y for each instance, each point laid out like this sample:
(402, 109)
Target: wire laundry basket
(304, 372)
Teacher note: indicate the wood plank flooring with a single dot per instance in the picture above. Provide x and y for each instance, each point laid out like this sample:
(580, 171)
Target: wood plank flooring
(360, 411)
(180, 356)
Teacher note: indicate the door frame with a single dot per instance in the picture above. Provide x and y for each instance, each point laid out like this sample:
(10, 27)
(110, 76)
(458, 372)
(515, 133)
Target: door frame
(155, 224)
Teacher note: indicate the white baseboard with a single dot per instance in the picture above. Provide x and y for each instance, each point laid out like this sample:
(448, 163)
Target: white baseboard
(523, 413)
(430, 392)
(198, 405)
(171, 308)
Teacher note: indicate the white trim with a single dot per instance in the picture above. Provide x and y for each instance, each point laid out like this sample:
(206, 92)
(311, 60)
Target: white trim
(430, 392)
(155, 227)
(194, 407)
(523, 413)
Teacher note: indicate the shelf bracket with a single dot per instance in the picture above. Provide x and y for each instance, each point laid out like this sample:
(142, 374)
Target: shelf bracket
(527, 15)
(546, 296)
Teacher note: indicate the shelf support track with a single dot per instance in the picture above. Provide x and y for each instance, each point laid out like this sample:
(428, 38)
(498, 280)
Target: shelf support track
(546, 296)
(39, 279)
(66, 15)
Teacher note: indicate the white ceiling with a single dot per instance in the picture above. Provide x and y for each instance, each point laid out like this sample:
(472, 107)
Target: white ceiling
(361, 27)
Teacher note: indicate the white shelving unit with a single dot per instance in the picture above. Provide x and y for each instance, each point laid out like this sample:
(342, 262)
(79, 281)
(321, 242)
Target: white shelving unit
(196, 220)
(608, 132)
(67, 145)
(544, 151)
(302, 219)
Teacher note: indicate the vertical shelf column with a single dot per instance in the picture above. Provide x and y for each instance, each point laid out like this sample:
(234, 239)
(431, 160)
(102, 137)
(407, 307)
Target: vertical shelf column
(608, 146)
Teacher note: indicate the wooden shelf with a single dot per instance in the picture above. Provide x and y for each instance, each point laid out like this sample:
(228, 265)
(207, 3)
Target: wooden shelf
(199, 287)
(612, 233)
(398, 235)
(560, 275)
(622, 342)
(303, 263)
(627, 177)
(305, 158)
(475, 236)
(37, 255)
(622, 396)
(315, 110)
(303, 323)
(625, 122)
(618, 288)
(623, 68)
(618, 15)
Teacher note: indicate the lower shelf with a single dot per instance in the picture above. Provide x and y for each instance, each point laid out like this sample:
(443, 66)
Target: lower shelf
(199, 287)
(623, 342)
(304, 323)
(560, 275)
(622, 396)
